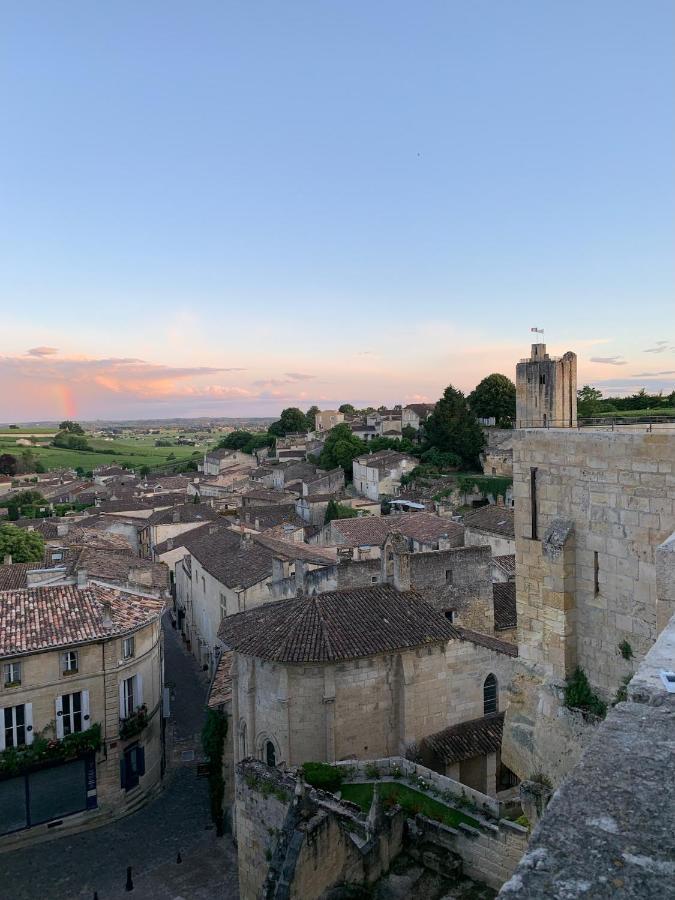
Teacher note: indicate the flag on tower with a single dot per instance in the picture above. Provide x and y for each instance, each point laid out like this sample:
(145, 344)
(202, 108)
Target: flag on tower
(538, 330)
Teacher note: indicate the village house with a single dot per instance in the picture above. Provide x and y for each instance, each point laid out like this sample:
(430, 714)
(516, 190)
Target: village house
(217, 461)
(493, 526)
(327, 419)
(222, 572)
(171, 522)
(423, 531)
(378, 475)
(414, 414)
(359, 673)
(81, 666)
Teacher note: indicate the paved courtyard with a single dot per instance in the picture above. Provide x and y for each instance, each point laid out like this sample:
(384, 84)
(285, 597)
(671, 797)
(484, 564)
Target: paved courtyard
(178, 821)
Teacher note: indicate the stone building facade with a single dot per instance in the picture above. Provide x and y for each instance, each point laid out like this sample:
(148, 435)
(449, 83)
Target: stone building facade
(77, 659)
(546, 390)
(594, 514)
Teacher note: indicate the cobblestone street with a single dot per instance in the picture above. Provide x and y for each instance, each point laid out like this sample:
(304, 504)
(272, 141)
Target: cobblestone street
(177, 821)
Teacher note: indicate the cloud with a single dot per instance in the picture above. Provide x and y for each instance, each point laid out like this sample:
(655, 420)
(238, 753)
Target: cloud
(42, 351)
(653, 374)
(609, 360)
(659, 347)
(298, 376)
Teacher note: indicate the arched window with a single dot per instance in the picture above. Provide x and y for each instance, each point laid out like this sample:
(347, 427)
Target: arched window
(242, 740)
(490, 695)
(270, 754)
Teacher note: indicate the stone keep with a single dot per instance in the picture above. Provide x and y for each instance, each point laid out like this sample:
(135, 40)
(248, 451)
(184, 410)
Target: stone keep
(546, 390)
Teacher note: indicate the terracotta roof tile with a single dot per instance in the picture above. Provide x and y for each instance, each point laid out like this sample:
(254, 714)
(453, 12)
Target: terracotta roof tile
(468, 739)
(486, 640)
(49, 617)
(495, 519)
(337, 625)
(504, 600)
(220, 691)
(506, 563)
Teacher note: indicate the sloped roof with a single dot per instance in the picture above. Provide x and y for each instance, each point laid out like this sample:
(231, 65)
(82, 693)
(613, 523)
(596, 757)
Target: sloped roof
(384, 459)
(58, 616)
(486, 640)
(121, 567)
(495, 519)
(468, 739)
(220, 691)
(184, 513)
(292, 550)
(504, 600)
(372, 530)
(234, 562)
(337, 625)
(13, 577)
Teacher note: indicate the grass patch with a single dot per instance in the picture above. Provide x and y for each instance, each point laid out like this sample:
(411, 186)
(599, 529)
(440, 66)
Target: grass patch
(412, 801)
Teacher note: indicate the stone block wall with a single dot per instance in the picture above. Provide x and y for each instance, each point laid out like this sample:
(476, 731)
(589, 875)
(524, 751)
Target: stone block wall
(617, 492)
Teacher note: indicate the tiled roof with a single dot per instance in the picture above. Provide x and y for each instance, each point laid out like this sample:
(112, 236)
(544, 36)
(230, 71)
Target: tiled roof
(421, 409)
(220, 691)
(495, 519)
(291, 550)
(220, 453)
(486, 640)
(96, 540)
(337, 625)
(384, 459)
(504, 600)
(468, 739)
(269, 516)
(272, 497)
(506, 563)
(13, 577)
(235, 562)
(50, 617)
(186, 512)
(122, 568)
(369, 531)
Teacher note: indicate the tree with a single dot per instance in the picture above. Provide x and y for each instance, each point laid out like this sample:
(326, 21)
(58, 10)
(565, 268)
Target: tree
(292, 420)
(340, 449)
(494, 396)
(588, 401)
(347, 409)
(72, 427)
(21, 545)
(453, 427)
(336, 510)
(310, 416)
(70, 440)
(409, 433)
(144, 471)
(236, 440)
(8, 464)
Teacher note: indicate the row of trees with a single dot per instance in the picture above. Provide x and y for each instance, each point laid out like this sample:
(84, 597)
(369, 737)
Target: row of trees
(590, 402)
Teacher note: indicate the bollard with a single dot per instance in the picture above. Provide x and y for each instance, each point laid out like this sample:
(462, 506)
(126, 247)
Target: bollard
(129, 885)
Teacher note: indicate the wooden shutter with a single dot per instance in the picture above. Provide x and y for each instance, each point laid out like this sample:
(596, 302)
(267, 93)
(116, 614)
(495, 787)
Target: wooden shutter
(138, 690)
(84, 707)
(2, 728)
(123, 710)
(59, 717)
(28, 721)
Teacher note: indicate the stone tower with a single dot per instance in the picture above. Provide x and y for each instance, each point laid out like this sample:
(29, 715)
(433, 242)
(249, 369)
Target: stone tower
(546, 390)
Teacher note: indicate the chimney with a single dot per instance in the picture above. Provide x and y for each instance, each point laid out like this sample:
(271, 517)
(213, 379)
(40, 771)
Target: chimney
(176, 515)
(107, 615)
(245, 539)
(82, 578)
(7, 561)
(300, 577)
(62, 528)
(213, 528)
(169, 544)
(401, 563)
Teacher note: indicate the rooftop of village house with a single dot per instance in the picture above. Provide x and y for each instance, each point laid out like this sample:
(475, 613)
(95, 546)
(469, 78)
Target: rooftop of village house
(42, 618)
(494, 519)
(504, 601)
(337, 625)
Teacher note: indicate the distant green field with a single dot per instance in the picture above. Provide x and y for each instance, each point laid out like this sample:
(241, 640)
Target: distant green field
(135, 452)
(668, 411)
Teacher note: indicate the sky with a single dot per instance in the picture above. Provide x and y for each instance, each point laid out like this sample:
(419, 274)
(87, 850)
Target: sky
(225, 208)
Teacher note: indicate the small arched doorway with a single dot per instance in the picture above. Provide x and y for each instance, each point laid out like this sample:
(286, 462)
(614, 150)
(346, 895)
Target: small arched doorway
(270, 754)
(490, 704)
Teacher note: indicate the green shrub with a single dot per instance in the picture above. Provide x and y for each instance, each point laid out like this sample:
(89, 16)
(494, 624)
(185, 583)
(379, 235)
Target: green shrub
(323, 776)
(626, 650)
(579, 695)
(214, 733)
(371, 771)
